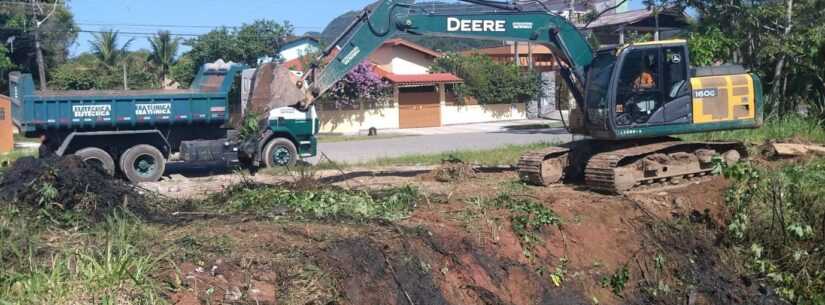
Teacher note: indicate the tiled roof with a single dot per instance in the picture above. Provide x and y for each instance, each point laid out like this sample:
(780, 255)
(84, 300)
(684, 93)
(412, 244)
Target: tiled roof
(418, 79)
(403, 42)
(629, 17)
(295, 64)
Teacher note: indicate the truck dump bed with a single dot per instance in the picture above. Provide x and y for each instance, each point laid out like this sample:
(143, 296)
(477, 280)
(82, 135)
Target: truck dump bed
(207, 102)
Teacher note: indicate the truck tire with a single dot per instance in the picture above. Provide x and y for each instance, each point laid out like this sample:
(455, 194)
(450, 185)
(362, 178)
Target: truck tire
(280, 152)
(97, 157)
(142, 163)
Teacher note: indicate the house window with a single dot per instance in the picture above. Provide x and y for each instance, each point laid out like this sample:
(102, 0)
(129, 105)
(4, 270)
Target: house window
(2, 114)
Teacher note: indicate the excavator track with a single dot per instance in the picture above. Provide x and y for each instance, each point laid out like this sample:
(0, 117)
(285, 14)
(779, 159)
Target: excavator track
(657, 164)
(544, 167)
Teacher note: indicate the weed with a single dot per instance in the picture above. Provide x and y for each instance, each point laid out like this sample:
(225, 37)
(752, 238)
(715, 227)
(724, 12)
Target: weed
(9, 158)
(617, 281)
(559, 275)
(113, 272)
(776, 225)
(503, 155)
(528, 218)
(323, 203)
(790, 127)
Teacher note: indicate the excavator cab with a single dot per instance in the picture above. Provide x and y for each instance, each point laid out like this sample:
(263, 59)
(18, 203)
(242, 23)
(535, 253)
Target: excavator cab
(649, 90)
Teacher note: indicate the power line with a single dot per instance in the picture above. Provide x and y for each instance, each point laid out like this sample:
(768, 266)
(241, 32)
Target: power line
(182, 25)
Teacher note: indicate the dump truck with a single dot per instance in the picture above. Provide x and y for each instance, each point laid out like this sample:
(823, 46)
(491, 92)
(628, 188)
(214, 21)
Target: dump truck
(135, 133)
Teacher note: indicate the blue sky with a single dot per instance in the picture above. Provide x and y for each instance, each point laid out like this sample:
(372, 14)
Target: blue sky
(192, 17)
(149, 16)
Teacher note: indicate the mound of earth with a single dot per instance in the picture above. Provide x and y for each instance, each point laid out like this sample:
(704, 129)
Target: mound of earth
(66, 184)
(642, 248)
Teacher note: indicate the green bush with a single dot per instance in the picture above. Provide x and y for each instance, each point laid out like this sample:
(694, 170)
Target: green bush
(778, 224)
(488, 81)
(390, 204)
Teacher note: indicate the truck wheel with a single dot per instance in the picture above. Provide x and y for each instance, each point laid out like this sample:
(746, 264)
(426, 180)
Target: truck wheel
(142, 163)
(97, 157)
(280, 152)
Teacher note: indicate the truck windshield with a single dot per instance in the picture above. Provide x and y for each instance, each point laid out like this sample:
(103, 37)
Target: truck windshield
(598, 83)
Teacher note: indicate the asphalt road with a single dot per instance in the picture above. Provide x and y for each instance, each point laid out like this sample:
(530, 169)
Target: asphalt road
(362, 151)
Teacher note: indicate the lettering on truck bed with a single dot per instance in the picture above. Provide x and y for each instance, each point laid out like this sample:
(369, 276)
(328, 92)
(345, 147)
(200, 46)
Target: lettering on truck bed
(153, 109)
(86, 111)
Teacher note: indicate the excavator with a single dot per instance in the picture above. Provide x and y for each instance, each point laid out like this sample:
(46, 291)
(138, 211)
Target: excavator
(629, 99)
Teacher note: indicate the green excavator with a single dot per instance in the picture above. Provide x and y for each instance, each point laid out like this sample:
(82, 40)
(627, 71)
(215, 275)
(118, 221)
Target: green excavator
(629, 99)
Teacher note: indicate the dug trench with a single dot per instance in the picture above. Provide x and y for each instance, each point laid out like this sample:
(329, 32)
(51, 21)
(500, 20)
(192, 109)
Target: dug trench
(484, 239)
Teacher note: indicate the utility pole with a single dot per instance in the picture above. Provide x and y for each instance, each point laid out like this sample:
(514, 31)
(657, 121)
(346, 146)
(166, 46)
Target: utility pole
(41, 63)
(125, 78)
(517, 60)
(572, 10)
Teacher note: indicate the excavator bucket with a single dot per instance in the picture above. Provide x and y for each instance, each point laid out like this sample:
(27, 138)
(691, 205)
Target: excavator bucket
(273, 86)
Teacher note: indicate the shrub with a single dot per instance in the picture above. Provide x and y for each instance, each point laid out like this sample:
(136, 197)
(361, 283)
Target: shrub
(488, 81)
(778, 223)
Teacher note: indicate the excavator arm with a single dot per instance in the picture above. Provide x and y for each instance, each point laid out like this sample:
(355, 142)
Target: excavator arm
(385, 19)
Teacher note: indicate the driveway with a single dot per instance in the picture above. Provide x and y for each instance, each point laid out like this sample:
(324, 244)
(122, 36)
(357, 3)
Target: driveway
(437, 142)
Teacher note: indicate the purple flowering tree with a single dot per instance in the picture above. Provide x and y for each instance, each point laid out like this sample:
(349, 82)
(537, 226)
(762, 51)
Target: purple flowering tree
(362, 83)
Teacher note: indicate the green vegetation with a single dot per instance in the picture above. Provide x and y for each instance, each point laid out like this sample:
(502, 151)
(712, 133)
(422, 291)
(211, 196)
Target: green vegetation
(617, 281)
(528, 218)
(504, 155)
(788, 127)
(57, 33)
(776, 225)
(16, 154)
(108, 266)
(244, 44)
(488, 81)
(321, 203)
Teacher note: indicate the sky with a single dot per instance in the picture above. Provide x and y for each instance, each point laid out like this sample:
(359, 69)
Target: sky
(139, 18)
(192, 17)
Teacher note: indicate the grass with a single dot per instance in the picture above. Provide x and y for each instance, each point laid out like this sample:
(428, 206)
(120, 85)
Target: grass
(104, 265)
(776, 226)
(320, 203)
(504, 155)
(16, 154)
(789, 127)
(334, 137)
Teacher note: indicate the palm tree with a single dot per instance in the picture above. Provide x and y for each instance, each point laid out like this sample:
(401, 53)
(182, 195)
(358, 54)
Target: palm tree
(164, 49)
(105, 48)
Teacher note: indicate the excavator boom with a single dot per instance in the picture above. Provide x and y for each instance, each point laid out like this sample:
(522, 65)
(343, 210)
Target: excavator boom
(387, 18)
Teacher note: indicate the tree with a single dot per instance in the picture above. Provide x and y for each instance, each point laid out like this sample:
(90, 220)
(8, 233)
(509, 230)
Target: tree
(85, 72)
(490, 82)
(57, 33)
(779, 40)
(162, 56)
(106, 48)
(243, 45)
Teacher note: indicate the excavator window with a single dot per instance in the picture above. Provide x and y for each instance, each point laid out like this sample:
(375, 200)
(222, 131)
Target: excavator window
(639, 89)
(598, 88)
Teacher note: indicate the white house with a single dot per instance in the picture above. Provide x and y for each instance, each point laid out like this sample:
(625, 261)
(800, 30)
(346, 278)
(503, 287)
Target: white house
(420, 98)
(298, 47)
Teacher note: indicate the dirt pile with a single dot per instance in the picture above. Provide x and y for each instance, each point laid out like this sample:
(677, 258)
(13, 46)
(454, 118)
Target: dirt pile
(66, 184)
